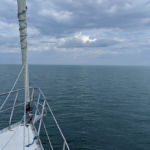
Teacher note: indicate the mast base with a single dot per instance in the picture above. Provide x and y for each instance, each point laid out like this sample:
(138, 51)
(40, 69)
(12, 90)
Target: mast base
(29, 109)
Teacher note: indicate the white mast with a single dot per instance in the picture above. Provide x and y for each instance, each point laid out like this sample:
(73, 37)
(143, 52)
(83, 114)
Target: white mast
(23, 39)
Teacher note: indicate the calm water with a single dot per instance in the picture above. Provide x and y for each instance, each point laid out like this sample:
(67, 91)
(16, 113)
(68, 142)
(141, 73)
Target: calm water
(97, 107)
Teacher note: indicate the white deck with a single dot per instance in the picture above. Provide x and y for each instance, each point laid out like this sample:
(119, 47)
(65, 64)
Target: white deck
(13, 139)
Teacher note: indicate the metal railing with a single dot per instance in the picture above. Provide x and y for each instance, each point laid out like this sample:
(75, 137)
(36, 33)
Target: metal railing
(41, 114)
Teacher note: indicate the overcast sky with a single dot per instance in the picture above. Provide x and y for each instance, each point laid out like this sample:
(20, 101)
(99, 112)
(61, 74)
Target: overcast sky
(86, 32)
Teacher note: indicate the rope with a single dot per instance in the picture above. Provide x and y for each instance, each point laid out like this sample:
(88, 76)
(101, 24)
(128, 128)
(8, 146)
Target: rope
(12, 135)
(24, 35)
(33, 141)
(12, 87)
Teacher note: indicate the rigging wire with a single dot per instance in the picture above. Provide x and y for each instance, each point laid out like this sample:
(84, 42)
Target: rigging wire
(47, 135)
(25, 114)
(44, 126)
(57, 125)
(24, 123)
(13, 86)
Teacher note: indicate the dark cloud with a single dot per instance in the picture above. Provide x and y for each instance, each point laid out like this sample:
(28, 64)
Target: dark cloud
(63, 18)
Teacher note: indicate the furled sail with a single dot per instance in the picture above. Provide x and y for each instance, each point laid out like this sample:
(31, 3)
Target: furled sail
(22, 8)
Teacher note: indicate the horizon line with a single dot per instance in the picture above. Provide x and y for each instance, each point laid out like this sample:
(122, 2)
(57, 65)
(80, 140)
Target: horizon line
(80, 65)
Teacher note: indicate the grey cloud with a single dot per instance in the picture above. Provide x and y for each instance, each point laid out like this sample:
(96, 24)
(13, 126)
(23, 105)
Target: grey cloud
(64, 18)
(87, 14)
(104, 20)
(9, 42)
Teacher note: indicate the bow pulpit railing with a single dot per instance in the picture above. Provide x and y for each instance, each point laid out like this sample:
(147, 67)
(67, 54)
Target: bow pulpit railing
(40, 111)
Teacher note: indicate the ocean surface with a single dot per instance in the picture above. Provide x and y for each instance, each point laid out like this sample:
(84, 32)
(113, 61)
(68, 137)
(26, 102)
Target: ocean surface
(97, 107)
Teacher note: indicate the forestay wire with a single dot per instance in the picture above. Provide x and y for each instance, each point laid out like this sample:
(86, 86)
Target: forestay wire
(24, 116)
(13, 86)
